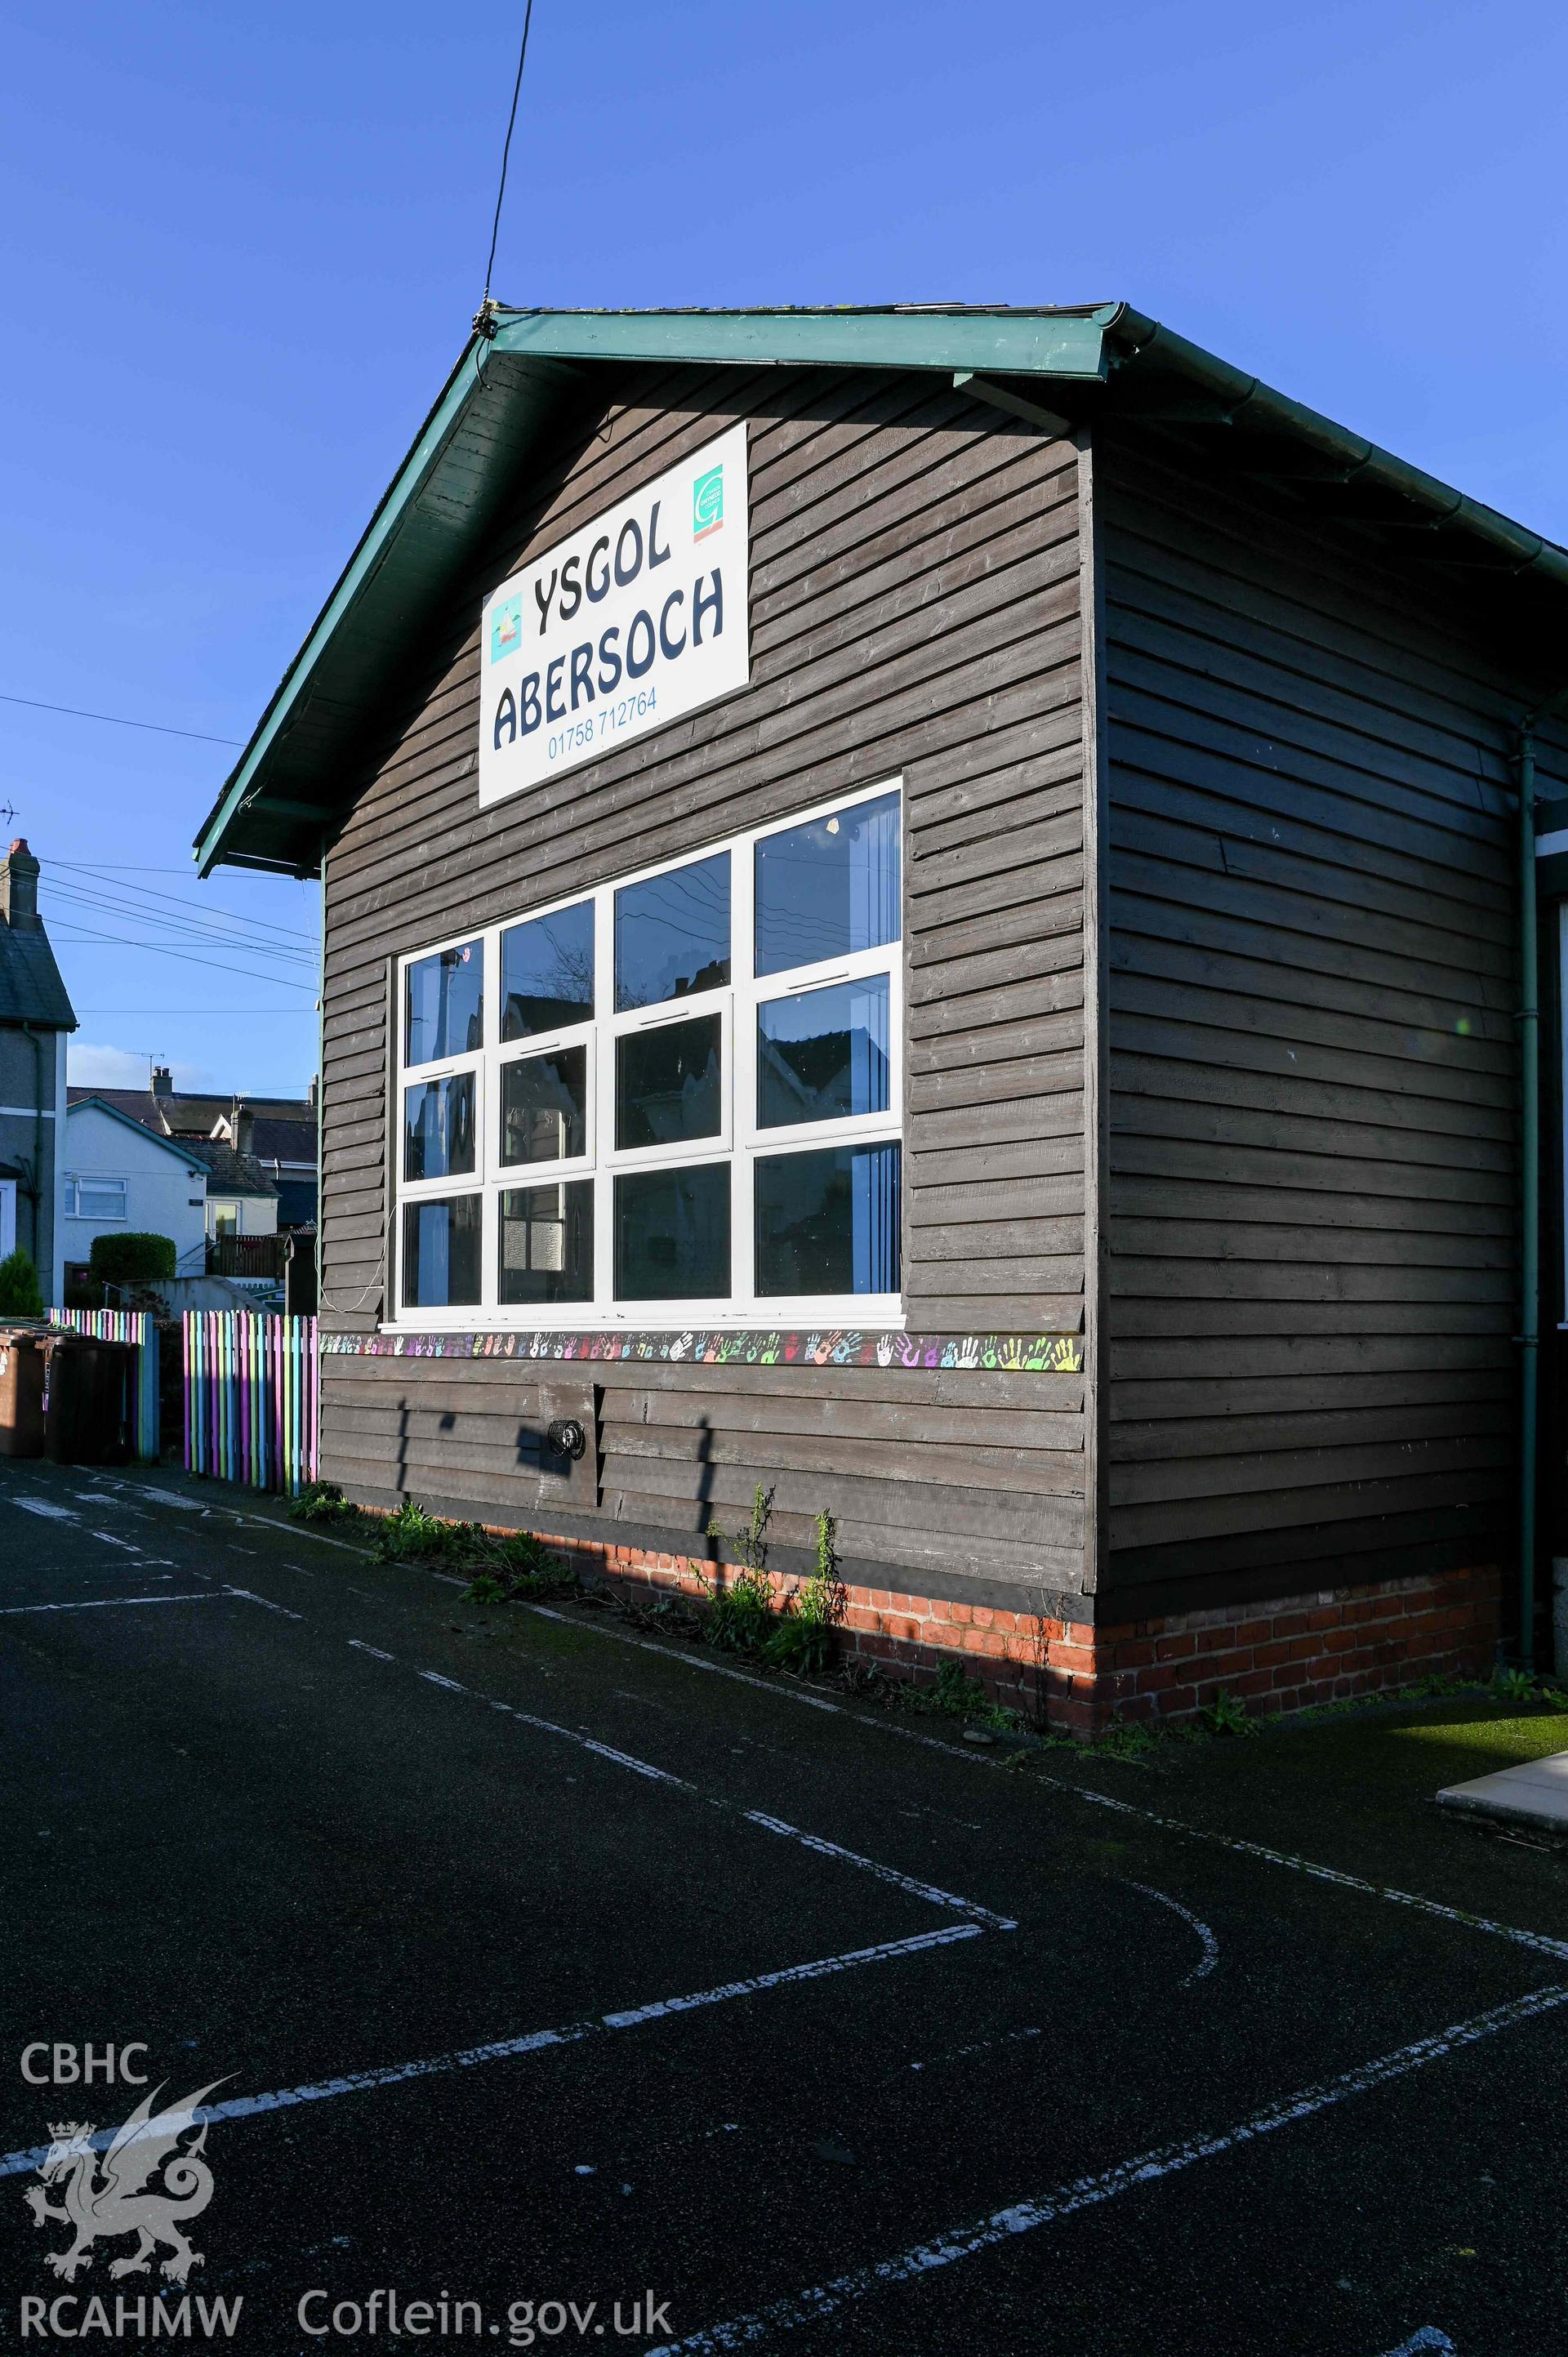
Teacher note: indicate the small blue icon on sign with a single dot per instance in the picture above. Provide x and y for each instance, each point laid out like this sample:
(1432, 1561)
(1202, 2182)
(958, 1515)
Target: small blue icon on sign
(708, 503)
(506, 628)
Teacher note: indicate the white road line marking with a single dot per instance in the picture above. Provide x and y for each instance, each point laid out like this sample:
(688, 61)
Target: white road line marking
(813, 1971)
(266, 1600)
(1539, 1941)
(1534, 1939)
(108, 1539)
(695, 1662)
(45, 1506)
(977, 1759)
(1087, 2192)
(360, 1646)
(256, 1521)
(1210, 1944)
(354, 2082)
(981, 2046)
(928, 1890)
(107, 1497)
(100, 1603)
(572, 1735)
(153, 1489)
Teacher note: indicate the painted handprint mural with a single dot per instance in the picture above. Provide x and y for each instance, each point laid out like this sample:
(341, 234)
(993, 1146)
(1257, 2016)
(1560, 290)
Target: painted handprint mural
(1056, 1354)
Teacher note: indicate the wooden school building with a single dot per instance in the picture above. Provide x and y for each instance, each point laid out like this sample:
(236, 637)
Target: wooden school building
(932, 909)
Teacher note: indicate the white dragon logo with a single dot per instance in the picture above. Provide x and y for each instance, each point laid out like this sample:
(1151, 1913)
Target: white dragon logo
(114, 2199)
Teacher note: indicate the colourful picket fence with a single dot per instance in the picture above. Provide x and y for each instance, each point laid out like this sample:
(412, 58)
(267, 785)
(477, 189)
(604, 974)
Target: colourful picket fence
(127, 1326)
(250, 1398)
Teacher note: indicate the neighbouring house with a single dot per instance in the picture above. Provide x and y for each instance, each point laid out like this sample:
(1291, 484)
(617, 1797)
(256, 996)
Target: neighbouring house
(278, 1134)
(243, 1239)
(120, 1176)
(284, 1147)
(931, 909)
(36, 1016)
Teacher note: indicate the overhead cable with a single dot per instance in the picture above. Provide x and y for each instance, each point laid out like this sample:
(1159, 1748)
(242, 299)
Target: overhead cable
(118, 720)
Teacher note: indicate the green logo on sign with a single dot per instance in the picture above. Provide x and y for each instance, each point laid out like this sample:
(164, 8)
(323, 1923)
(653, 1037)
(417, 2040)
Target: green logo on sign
(708, 503)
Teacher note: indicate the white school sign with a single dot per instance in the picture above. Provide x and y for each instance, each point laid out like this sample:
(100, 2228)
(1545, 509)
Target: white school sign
(637, 619)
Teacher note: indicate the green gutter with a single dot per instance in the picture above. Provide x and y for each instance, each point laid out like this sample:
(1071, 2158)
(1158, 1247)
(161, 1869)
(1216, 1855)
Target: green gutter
(1025, 343)
(1247, 399)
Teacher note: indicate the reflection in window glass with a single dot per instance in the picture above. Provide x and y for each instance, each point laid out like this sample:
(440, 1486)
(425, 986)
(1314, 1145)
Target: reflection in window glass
(667, 1084)
(672, 1234)
(547, 973)
(444, 1001)
(823, 1055)
(828, 1221)
(438, 1128)
(544, 1106)
(441, 1253)
(828, 887)
(547, 1242)
(672, 934)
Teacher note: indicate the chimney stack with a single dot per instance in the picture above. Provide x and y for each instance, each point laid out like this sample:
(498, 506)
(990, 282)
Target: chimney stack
(241, 1125)
(314, 1093)
(163, 1081)
(19, 888)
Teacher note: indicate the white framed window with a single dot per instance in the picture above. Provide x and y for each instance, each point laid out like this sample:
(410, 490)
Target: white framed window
(675, 1099)
(91, 1198)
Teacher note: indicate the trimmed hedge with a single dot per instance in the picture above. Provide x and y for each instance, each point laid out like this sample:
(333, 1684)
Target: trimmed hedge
(132, 1259)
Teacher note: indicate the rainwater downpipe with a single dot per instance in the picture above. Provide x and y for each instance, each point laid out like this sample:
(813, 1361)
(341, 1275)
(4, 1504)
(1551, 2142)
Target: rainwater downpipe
(35, 1191)
(1530, 1177)
(320, 1127)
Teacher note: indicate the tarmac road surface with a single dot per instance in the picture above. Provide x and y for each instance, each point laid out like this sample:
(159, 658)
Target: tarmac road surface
(588, 1997)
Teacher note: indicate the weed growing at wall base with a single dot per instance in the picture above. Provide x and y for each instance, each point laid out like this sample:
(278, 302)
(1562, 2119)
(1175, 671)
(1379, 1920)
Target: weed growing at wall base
(741, 1610)
(955, 1695)
(503, 1566)
(806, 1639)
(322, 1501)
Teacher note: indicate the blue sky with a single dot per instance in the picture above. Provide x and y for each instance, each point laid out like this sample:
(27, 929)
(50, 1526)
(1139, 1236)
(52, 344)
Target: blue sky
(244, 246)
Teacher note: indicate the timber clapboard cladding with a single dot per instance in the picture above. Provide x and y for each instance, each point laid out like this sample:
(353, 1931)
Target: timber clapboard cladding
(916, 612)
(1203, 719)
(1312, 1200)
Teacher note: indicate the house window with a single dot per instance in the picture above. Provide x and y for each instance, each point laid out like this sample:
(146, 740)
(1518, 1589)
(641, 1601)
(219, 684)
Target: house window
(94, 1198)
(682, 1096)
(225, 1219)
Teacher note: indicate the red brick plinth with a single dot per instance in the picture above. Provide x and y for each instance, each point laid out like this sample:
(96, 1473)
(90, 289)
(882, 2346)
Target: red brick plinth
(1279, 1655)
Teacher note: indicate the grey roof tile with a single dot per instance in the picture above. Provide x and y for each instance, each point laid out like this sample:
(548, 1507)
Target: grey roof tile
(31, 990)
